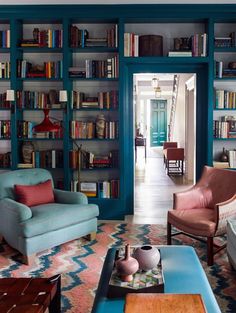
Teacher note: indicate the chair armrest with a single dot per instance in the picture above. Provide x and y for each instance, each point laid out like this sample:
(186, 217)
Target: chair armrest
(195, 197)
(62, 196)
(223, 211)
(16, 210)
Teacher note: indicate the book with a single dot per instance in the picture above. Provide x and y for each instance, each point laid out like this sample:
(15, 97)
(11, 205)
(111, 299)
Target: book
(89, 188)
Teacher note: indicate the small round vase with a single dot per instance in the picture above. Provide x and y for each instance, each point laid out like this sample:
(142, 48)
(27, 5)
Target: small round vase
(147, 257)
(224, 156)
(127, 266)
(27, 149)
(100, 126)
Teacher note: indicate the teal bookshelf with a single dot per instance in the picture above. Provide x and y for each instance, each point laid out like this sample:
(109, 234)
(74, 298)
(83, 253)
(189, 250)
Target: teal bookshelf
(182, 20)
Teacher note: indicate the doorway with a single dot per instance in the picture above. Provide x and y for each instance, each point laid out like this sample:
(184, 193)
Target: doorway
(158, 122)
(153, 188)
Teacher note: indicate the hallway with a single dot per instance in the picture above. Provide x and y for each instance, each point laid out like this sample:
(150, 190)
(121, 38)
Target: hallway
(154, 189)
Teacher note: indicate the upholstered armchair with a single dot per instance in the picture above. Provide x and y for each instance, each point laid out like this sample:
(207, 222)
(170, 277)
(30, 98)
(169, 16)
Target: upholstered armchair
(203, 210)
(35, 216)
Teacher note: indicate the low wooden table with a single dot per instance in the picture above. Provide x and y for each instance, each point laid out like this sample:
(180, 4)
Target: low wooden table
(168, 303)
(30, 295)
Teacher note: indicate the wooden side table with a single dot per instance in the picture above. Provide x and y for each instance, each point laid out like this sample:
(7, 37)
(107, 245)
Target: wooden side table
(140, 142)
(31, 295)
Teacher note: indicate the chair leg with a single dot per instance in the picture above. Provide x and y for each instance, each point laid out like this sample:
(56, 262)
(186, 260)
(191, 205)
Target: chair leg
(210, 254)
(92, 236)
(29, 259)
(168, 233)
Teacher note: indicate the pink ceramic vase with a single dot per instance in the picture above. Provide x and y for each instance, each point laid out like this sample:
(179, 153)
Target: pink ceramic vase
(147, 256)
(127, 266)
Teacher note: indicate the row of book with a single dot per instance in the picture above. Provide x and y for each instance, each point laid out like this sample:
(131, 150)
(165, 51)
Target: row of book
(102, 68)
(225, 99)
(5, 160)
(225, 42)
(81, 159)
(37, 100)
(221, 72)
(49, 70)
(87, 130)
(4, 104)
(5, 129)
(103, 100)
(100, 189)
(47, 159)
(25, 129)
(45, 38)
(5, 38)
(131, 45)
(5, 69)
(232, 158)
(79, 38)
(224, 129)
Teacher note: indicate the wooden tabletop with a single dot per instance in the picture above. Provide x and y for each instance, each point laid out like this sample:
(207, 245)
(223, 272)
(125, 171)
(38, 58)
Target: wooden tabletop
(164, 303)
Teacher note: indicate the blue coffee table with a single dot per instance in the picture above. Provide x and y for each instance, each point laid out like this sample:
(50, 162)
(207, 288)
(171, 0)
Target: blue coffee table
(182, 271)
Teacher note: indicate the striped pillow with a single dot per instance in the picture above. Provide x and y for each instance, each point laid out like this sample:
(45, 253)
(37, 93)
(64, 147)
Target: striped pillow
(31, 195)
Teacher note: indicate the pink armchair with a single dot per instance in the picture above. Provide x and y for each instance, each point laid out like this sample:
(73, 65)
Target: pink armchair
(203, 210)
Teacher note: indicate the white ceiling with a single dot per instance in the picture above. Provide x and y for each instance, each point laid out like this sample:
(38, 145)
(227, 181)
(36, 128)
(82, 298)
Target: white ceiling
(25, 2)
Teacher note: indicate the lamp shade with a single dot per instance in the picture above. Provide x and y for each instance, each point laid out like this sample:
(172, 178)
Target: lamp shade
(46, 125)
(63, 96)
(10, 95)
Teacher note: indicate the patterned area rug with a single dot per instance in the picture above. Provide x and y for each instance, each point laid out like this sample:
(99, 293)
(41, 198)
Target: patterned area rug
(79, 262)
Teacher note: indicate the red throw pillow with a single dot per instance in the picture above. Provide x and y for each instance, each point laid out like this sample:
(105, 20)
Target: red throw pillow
(31, 195)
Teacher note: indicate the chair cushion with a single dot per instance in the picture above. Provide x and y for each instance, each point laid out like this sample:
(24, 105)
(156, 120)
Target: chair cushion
(199, 221)
(53, 216)
(31, 195)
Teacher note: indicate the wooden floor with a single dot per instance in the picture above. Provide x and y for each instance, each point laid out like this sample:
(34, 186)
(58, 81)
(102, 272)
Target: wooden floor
(154, 189)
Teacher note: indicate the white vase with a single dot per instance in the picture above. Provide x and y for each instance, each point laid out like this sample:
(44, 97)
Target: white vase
(147, 256)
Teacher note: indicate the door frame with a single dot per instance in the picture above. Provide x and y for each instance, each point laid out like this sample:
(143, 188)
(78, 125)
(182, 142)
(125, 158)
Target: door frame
(127, 130)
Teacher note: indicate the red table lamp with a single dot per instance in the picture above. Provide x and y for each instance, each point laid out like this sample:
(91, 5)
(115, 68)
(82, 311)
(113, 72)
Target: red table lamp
(46, 125)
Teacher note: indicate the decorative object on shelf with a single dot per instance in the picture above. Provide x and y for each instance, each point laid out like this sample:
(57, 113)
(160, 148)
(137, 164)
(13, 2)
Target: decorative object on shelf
(127, 266)
(36, 34)
(100, 126)
(156, 87)
(46, 125)
(147, 256)
(27, 150)
(224, 156)
(63, 97)
(182, 44)
(150, 45)
(10, 96)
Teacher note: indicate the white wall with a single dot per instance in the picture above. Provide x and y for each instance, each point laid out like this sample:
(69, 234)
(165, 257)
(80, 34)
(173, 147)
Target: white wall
(179, 124)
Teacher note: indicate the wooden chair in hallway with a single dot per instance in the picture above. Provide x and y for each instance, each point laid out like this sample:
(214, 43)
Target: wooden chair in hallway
(203, 210)
(168, 144)
(174, 160)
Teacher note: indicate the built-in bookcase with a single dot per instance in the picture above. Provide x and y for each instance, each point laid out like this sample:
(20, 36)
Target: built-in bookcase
(224, 116)
(84, 46)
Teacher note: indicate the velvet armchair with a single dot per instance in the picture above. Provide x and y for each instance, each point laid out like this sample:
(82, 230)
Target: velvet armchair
(203, 210)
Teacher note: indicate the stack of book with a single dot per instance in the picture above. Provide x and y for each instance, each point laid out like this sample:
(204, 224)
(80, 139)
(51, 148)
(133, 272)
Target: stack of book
(131, 45)
(223, 42)
(225, 99)
(36, 100)
(77, 37)
(76, 71)
(45, 38)
(48, 69)
(224, 128)
(4, 104)
(5, 160)
(5, 69)
(5, 38)
(89, 188)
(5, 129)
(108, 189)
(48, 158)
(180, 54)
(102, 68)
(232, 158)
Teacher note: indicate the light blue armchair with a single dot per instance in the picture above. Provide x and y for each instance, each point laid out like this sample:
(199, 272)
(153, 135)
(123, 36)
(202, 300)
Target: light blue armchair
(37, 228)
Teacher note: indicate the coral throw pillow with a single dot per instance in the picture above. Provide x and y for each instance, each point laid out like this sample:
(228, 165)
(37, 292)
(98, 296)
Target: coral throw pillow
(31, 195)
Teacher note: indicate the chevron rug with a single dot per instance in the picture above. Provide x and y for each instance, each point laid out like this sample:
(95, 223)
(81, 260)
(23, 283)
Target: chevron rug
(79, 262)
